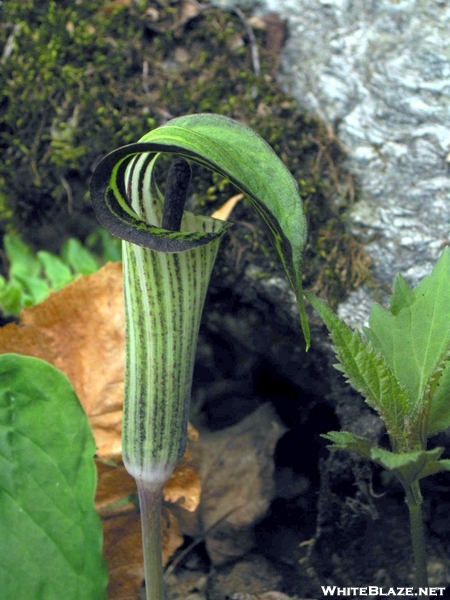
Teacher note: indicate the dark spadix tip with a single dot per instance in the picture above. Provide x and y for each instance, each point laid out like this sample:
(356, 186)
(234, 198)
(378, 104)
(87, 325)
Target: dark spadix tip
(177, 184)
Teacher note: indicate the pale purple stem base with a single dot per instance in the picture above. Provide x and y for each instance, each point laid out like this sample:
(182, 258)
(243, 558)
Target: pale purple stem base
(150, 498)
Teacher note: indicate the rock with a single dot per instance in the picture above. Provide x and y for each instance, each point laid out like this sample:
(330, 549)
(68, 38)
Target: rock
(380, 76)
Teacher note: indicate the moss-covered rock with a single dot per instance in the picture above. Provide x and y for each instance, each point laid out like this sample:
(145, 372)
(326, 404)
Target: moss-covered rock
(79, 79)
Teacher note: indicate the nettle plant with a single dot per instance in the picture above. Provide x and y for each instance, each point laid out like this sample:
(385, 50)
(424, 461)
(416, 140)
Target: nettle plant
(168, 257)
(401, 365)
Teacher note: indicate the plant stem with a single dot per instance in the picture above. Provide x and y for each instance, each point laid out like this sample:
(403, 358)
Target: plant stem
(150, 498)
(414, 501)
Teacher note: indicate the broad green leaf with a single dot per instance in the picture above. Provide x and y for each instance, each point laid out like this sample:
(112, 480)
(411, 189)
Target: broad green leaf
(368, 373)
(56, 271)
(230, 149)
(415, 341)
(50, 533)
(78, 257)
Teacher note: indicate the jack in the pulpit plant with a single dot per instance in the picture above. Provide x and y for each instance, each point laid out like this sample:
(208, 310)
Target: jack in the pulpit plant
(168, 258)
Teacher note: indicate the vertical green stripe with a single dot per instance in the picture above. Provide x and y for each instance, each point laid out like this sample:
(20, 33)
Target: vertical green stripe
(164, 296)
(163, 302)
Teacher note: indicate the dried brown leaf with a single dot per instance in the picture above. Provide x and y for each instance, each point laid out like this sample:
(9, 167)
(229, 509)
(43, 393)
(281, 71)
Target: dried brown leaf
(80, 330)
(225, 210)
(113, 484)
(238, 494)
(184, 487)
(122, 548)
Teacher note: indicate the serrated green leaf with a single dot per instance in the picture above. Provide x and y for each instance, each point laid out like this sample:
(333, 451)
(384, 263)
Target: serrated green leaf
(415, 341)
(56, 271)
(78, 257)
(410, 466)
(402, 295)
(368, 373)
(445, 464)
(346, 440)
(49, 530)
(439, 418)
(406, 466)
(230, 149)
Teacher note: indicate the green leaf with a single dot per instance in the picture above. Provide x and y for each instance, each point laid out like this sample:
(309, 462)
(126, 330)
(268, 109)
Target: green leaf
(402, 296)
(103, 244)
(230, 149)
(346, 440)
(21, 258)
(415, 339)
(32, 290)
(411, 466)
(368, 373)
(57, 272)
(50, 533)
(439, 418)
(78, 257)
(11, 297)
(406, 466)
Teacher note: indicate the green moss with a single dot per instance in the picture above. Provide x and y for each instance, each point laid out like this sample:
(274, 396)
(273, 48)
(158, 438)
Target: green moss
(85, 77)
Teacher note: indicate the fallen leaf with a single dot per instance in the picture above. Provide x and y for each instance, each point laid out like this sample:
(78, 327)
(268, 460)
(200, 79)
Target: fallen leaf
(184, 487)
(123, 539)
(225, 210)
(80, 330)
(236, 469)
(121, 522)
(113, 485)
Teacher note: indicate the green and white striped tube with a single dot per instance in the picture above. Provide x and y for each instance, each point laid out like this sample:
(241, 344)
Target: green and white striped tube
(164, 296)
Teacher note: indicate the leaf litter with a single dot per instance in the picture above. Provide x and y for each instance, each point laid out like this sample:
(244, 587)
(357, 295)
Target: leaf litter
(80, 330)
